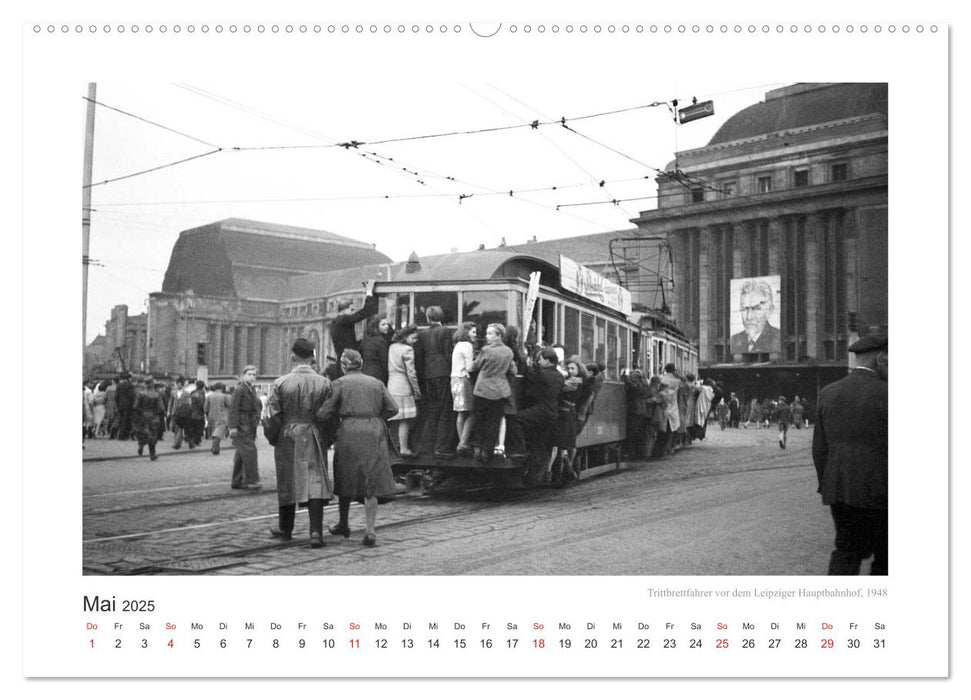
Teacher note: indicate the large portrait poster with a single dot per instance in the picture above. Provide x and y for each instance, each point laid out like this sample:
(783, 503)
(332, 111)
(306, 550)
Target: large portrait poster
(755, 315)
(303, 150)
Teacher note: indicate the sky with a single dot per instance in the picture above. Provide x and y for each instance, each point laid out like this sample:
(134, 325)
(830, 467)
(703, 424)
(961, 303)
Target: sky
(409, 194)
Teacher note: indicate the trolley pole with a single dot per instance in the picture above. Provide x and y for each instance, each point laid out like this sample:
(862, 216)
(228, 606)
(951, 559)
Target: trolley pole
(86, 214)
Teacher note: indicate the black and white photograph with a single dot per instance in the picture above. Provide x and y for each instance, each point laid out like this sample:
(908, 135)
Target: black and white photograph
(299, 308)
(419, 347)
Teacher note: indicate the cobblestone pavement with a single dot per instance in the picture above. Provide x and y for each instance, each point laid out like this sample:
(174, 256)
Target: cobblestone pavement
(733, 504)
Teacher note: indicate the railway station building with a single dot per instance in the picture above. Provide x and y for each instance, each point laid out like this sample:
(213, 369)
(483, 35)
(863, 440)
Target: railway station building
(789, 198)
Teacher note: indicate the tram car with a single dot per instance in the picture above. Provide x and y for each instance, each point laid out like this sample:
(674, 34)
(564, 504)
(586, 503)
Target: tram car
(493, 286)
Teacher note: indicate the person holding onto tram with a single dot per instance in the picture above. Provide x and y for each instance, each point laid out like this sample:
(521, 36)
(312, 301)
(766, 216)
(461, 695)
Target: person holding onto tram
(564, 436)
(344, 329)
(495, 365)
(670, 383)
(362, 457)
(530, 428)
(433, 363)
(463, 355)
(403, 384)
(374, 349)
(636, 391)
(511, 341)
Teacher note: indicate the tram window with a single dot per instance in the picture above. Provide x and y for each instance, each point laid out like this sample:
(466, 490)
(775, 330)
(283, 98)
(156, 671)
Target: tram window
(600, 350)
(612, 351)
(624, 335)
(571, 331)
(587, 338)
(483, 308)
(549, 322)
(396, 308)
(448, 301)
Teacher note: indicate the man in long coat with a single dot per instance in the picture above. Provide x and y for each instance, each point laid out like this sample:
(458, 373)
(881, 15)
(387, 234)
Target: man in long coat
(433, 363)
(125, 403)
(850, 453)
(147, 413)
(299, 452)
(362, 458)
(245, 408)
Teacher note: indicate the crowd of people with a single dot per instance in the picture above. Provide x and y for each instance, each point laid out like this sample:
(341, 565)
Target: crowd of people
(763, 414)
(143, 409)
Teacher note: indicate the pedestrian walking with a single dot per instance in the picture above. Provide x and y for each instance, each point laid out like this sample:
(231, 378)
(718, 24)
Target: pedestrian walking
(111, 411)
(797, 413)
(197, 415)
(403, 385)
(734, 411)
(299, 448)
(217, 415)
(245, 409)
(180, 411)
(360, 405)
(721, 410)
(850, 452)
(125, 403)
(781, 417)
(147, 413)
(98, 398)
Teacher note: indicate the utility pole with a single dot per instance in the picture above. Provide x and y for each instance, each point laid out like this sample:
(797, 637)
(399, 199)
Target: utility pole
(86, 214)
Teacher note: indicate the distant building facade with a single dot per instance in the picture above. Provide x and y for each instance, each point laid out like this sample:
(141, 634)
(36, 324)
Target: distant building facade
(795, 189)
(122, 347)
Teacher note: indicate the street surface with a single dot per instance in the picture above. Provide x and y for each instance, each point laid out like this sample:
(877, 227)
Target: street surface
(735, 504)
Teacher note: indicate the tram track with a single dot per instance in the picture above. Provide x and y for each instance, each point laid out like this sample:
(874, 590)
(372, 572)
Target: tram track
(450, 504)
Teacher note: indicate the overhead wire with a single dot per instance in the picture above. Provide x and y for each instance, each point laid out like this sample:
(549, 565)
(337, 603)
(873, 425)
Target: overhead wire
(601, 182)
(148, 121)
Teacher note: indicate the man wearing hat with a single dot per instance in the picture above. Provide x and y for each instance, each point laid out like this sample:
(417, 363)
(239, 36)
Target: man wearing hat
(299, 450)
(850, 453)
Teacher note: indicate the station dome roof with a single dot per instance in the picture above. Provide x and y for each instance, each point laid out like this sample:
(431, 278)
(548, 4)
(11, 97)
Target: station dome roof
(801, 105)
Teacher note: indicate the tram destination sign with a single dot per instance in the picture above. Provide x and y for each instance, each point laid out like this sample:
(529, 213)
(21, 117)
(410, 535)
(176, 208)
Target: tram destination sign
(593, 286)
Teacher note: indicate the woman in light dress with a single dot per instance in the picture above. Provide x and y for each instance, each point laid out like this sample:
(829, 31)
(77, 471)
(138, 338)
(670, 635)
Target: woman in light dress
(403, 384)
(463, 355)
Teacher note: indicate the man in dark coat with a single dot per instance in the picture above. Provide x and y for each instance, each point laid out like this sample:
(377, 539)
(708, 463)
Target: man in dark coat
(343, 329)
(147, 414)
(530, 428)
(125, 403)
(433, 364)
(244, 416)
(197, 418)
(850, 453)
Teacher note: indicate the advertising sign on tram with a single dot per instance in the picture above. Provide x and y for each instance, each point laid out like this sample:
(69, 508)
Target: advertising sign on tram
(595, 287)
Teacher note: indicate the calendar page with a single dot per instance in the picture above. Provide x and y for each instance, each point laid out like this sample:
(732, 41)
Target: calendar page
(518, 344)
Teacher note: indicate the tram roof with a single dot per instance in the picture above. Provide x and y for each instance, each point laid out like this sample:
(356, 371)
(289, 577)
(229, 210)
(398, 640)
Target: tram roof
(450, 267)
